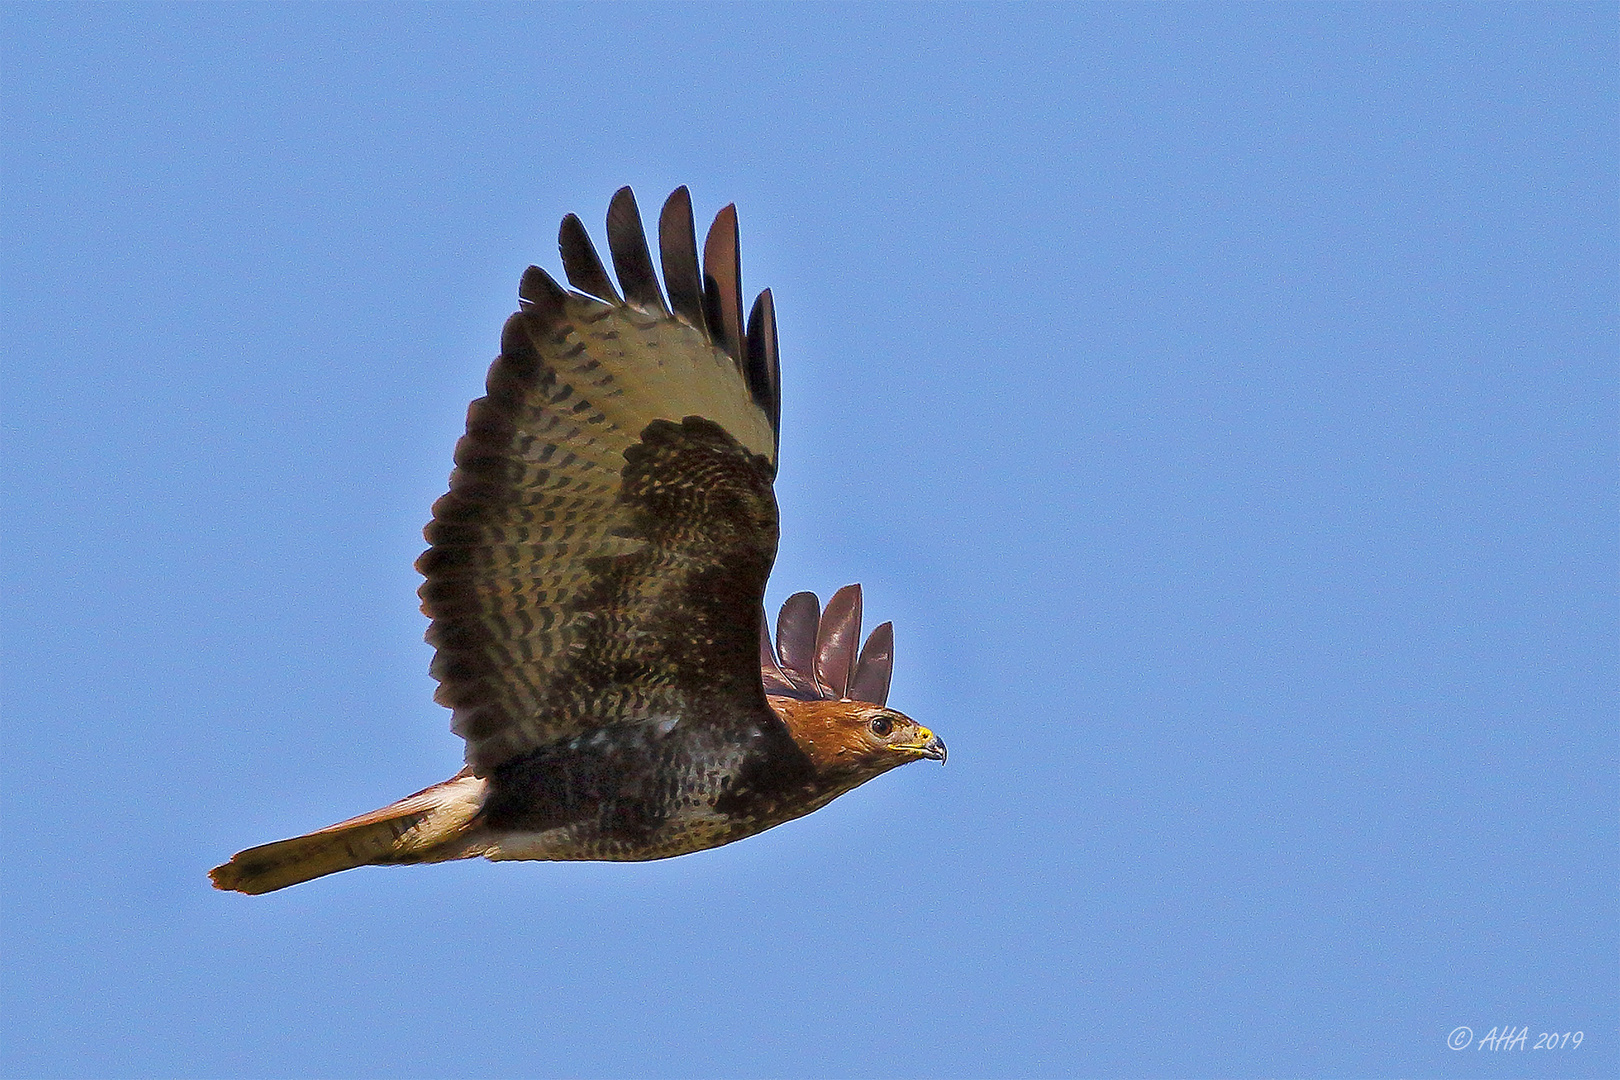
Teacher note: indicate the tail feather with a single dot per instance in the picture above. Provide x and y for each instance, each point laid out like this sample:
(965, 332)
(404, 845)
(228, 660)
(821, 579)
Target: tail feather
(425, 827)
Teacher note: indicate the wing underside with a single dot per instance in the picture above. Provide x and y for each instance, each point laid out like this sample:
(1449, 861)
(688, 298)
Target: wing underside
(602, 552)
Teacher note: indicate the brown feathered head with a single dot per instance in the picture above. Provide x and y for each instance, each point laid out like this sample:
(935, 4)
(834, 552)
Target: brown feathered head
(832, 699)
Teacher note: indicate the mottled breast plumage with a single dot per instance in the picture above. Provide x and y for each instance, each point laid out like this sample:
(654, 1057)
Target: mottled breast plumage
(645, 790)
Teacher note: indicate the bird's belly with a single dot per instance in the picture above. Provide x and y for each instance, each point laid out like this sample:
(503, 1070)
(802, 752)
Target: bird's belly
(678, 834)
(642, 792)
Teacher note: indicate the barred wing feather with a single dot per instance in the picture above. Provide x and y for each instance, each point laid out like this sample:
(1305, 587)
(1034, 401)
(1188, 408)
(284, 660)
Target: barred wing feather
(603, 549)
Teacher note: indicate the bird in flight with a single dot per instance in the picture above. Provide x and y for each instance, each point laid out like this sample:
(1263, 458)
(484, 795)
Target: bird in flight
(595, 581)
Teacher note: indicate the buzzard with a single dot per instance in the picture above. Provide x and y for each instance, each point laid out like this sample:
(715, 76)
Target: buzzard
(595, 580)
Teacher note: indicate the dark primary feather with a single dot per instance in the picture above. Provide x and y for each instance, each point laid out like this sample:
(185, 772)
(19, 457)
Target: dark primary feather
(722, 283)
(796, 639)
(836, 639)
(677, 246)
(631, 259)
(580, 261)
(602, 553)
(764, 367)
(538, 295)
(874, 668)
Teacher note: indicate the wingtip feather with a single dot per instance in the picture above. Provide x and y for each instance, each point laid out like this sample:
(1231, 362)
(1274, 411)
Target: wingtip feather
(764, 365)
(540, 296)
(677, 247)
(581, 262)
(722, 282)
(875, 667)
(632, 261)
(836, 638)
(796, 627)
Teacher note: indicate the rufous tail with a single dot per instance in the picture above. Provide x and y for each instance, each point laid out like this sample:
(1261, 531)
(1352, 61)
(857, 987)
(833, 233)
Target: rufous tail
(426, 827)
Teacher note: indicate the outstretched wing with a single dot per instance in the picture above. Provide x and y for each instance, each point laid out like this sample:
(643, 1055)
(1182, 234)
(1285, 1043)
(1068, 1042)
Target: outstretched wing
(815, 659)
(602, 553)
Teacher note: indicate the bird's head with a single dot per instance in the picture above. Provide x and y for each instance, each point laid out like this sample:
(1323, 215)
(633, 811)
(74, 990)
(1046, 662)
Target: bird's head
(856, 738)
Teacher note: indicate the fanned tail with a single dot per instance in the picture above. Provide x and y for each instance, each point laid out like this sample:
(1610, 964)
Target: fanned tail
(425, 827)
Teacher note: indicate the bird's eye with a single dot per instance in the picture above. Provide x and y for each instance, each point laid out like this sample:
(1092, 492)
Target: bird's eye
(881, 726)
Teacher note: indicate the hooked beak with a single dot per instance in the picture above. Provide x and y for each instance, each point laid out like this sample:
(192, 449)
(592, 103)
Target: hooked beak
(928, 745)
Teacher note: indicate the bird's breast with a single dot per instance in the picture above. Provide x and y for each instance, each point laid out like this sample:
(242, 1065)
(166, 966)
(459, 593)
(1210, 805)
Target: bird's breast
(651, 789)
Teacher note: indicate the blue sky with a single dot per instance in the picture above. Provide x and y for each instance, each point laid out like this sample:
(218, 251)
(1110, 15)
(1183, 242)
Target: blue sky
(1220, 400)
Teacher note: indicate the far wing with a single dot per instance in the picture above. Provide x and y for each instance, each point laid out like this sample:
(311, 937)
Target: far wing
(603, 550)
(814, 658)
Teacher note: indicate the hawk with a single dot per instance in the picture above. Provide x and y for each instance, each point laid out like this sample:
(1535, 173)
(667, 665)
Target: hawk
(595, 581)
